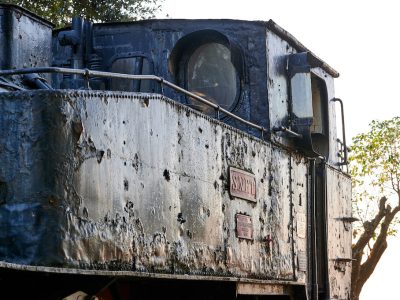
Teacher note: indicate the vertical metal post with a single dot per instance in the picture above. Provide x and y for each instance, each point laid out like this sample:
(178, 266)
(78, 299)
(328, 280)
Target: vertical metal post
(138, 71)
(345, 162)
(77, 49)
(325, 227)
(311, 241)
(86, 78)
(217, 112)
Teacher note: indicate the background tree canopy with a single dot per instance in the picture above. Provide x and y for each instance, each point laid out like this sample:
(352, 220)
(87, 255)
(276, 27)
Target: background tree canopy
(61, 12)
(375, 167)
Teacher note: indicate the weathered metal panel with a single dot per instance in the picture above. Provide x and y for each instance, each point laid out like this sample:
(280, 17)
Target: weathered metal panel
(290, 39)
(339, 234)
(278, 89)
(28, 220)
(279, 97)
(138, 182)
(299, 211)
(25, 39)
(280, 212)
(261, 289)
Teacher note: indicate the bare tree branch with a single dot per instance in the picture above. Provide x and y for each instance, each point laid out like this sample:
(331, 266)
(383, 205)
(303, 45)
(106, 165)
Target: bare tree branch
(365, 270)
(370, 227)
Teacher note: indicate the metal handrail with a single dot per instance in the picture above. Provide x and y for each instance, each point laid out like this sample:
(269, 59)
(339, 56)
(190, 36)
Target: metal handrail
(287, 130)
(88, 73)
(345, 161)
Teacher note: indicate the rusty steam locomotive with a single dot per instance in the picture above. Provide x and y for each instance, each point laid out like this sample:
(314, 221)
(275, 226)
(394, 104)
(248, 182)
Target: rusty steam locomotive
(193, 159)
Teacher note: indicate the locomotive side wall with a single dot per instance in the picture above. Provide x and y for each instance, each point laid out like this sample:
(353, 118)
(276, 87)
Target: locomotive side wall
(339, 233)
(138, 182)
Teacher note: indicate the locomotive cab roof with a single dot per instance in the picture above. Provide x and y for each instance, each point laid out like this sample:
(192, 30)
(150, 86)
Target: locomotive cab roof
(270, 24)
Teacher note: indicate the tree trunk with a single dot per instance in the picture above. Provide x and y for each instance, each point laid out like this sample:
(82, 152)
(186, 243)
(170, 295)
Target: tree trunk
(362, 271)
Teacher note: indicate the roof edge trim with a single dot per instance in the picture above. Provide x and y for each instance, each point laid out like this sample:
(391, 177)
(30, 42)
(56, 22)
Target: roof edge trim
(27, 12)
(271, 25)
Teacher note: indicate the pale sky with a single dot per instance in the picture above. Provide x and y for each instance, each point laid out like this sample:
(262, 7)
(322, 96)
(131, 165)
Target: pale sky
(361, 40)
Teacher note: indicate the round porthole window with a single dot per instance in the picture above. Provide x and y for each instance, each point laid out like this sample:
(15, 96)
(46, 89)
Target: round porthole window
(211, 74)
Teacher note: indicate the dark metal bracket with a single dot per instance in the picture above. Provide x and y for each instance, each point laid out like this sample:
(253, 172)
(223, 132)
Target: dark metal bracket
(340, 263)
(347, 221)
(276, 129)
(343, 260)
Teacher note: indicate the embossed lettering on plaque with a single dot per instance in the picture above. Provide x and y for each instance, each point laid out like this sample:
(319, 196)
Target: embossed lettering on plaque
(244, 227)
(242, 184)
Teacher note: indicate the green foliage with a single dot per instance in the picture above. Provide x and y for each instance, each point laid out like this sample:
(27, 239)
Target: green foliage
(376, 155)
(61, 12)
(375, 166)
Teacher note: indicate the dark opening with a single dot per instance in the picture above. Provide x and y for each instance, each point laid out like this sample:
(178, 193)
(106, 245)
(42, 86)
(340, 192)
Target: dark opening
(320, 122)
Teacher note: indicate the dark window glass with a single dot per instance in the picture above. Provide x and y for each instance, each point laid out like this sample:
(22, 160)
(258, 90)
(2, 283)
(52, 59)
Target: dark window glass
(320, 110)
(320, 122)
(211, 74)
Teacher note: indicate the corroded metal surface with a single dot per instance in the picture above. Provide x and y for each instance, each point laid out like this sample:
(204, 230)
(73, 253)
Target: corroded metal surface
(300, 197)
(138, 182)
(25, 38)
(279, 99)
(339, 234)
(261, 289)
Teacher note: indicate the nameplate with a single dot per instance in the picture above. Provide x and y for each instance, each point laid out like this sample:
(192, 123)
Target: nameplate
(244, 227)
(242, 184)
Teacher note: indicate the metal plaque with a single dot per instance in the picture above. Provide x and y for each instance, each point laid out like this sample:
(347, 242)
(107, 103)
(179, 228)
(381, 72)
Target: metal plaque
(244, 227)
(302, 261)
(242, 184)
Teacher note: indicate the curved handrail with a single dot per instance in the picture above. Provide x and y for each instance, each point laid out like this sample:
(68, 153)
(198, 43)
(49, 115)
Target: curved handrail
(92, 73)
(345, 160)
